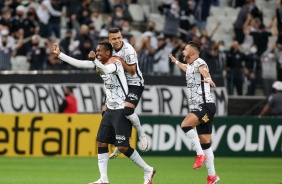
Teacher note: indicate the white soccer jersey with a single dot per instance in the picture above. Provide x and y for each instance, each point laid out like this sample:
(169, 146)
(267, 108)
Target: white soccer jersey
(128, 54)
(115, 86)
(198, 91)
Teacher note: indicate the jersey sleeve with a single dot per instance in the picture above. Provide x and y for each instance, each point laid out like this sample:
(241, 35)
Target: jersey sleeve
(75, 62)
(106, 69)
(130, 56)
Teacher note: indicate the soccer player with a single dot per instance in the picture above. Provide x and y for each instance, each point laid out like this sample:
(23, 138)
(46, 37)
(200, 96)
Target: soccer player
(201, 105)
(115, 128)
(135, 83)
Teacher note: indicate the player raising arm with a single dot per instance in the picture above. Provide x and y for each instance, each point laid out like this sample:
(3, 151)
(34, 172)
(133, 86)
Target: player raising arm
(114, 128)
(202, 107)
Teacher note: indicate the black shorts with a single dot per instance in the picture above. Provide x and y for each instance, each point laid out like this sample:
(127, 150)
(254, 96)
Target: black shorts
(205, 117)
(134, 94)
(115, 128)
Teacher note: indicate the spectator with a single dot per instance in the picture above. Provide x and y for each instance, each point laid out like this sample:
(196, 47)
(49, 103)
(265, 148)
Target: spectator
(5, 20)
(234, 69)
(202, 12)
(252, 70)
(19, 59)
(146, 49)
(54, 8)
(119, 16)
(5, 51)
(161, 59)
(178, 47)
(172, 19)
(273, 106)
(269, 69)
(69, 104)
(191, 33)
(126, 33)
(278, 54)
(65, 42)
(241, 19)
(37, 55)
(83, 12)
(85, 41)
(221, 57)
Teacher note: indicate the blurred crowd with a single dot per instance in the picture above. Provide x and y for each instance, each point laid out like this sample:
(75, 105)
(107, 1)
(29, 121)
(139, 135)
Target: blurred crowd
(28, 28)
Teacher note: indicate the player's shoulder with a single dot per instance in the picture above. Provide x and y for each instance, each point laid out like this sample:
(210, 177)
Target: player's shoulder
(200, 61)
(115, 60)
(128, 47)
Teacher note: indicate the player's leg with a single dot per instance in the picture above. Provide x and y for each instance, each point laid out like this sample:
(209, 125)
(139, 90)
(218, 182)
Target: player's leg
(135, 121)
(131, 102)
(205, 140)
(204, 131)
(105, 136)
(123, 130)
(133, 155)
(187, 125)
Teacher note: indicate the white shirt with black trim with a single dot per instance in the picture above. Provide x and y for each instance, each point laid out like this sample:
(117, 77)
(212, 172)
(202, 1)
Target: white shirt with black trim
(128, 54)
(198, 92)
(115, 83)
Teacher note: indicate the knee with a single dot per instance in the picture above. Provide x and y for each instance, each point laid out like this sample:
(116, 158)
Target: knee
(205, 140)
(128, 111)
(122, 149)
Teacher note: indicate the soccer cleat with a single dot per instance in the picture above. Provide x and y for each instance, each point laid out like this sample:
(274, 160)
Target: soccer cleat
(100, 181)
(115, 153)
(199, 161)
(144, 143)
(148, 175)
(212, 179)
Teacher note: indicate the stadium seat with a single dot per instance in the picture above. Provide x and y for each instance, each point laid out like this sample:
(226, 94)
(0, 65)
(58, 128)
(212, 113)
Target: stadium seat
(137, 34)
(146, 9)
(230, 12)
(136, 12)
(216, 11)
(158, 19)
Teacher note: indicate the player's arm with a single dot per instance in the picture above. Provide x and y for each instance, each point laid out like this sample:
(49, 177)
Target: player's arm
(70, 60)
(179, 64)
(110, 68)
(129, 68)
(207, 77)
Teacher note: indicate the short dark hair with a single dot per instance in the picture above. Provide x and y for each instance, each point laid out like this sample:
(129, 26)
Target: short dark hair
(195, 45)
(114, 30)
(108, 46)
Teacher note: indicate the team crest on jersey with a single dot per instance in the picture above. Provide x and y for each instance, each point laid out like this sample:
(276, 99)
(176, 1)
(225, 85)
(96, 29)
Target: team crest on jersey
(205, 118)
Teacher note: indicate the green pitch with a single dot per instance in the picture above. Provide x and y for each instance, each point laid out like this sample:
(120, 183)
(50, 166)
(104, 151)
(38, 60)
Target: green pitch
(170, 170)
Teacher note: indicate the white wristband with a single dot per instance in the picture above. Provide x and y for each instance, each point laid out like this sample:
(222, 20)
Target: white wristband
(176, 62)
(208, 79)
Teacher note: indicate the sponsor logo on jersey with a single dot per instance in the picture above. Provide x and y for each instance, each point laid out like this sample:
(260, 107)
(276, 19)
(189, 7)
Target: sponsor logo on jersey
(109, 86)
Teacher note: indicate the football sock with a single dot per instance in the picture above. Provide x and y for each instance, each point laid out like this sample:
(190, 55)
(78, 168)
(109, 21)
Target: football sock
(138, 160)
(192, 135)
(103, 159)
(210, 161)
(134, 119)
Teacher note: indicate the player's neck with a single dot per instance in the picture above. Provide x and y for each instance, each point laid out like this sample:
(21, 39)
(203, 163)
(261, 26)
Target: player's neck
(192, 59)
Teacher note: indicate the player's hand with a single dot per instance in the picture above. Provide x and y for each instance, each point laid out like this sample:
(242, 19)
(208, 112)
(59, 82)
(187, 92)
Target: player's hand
(56, 49)
(172, 58)
(212, 84)
(92, 55)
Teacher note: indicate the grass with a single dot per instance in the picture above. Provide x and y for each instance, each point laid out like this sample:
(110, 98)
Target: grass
(170, 170)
